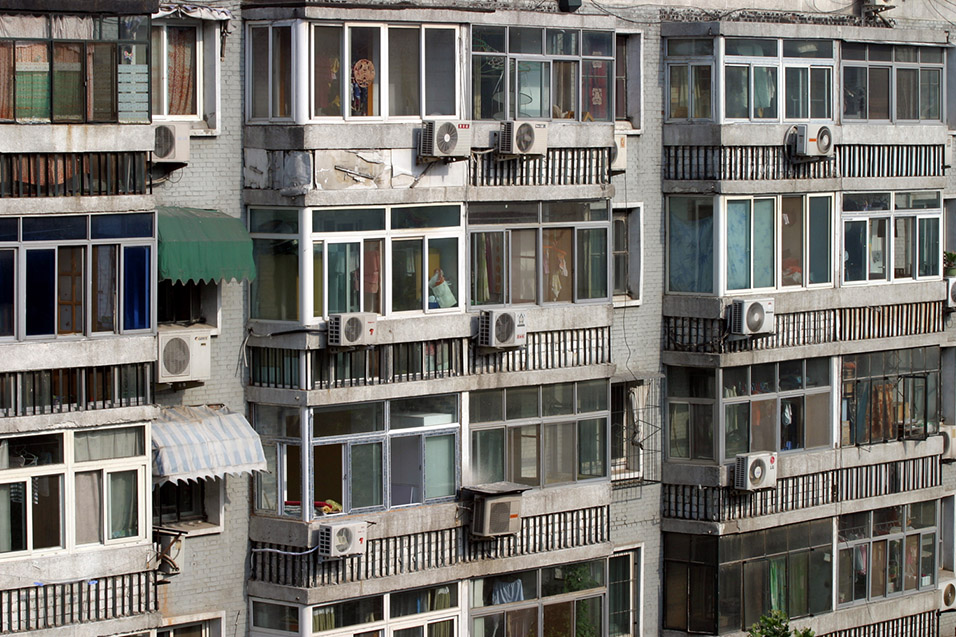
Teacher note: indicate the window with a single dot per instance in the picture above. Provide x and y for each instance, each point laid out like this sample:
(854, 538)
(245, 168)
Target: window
(277, 617)
(391, 454)
(891, 236)
(629, 405)
(187, 506)
(776, 406)
(394, 71)
(690, 66)
(176, 72)
(887, 552)
(624, 594)
(690, 231)
(106, 469)
(275, 250)
(207, 628)
(628, 80)
(540, 436)
(561, 600)
(792, 230)
(690, 417)
(890, 395)
(48, 258)
(516, 245)
(350, 271)
(874, 73)
(271, 63)
(808, 78)
(189, 303)
(75, 69)
(528, 72)
(627, 253)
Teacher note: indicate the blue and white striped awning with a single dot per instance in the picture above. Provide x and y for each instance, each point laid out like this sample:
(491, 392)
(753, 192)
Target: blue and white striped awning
(193, 443)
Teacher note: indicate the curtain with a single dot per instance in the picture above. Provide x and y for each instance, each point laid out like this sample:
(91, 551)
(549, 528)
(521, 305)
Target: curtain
(32, 80)
(89, 507)
(6, 80)
(101, 445)
(439, 466)
(124, 501)
(778, 583)
(181, 70)
(323, 618)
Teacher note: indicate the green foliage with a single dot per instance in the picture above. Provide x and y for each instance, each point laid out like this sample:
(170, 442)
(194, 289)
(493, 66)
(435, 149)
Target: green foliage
(777, 624)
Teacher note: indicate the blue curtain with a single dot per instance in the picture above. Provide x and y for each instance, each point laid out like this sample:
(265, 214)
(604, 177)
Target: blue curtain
(136, 287)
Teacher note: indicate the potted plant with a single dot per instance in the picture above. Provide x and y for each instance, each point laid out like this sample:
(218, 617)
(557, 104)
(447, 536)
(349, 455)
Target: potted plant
(949, 263)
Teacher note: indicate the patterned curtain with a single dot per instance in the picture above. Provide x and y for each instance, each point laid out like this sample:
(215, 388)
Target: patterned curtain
(181, 42)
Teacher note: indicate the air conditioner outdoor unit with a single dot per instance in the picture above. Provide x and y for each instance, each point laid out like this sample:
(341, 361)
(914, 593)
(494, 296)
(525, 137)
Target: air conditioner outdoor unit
(446, 140)
(496, 515)
(522, 138)
(185, 353)
(753, 316)
(346, 330)
(341, 539)
(814, 140)
(947, 595)
(502, 328)
(948, 432)
(619, 153)
(755, 471)
(171, 143)
(951, 292)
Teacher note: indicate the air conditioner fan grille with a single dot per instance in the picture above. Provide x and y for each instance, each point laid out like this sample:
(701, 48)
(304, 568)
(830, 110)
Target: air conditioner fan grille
(176, 356)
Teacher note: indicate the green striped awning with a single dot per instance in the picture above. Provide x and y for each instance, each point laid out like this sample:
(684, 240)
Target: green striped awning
(202, 245)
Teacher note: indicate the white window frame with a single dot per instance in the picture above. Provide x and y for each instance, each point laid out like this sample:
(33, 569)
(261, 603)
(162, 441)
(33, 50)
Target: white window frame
(632, 121)
(891, 215)
(269, 79)
(636, 567)
(211, 624)
(163, 88)
(67, 471)
(721, 262)
(382, 74)
(389, 236)
(690, 62)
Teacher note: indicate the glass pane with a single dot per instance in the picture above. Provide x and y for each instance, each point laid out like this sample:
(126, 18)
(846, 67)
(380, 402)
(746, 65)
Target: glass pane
(927, 560)
(181, 70)
(854, 251)
(588, 616)
(485, 38)
(342, 420)
(756, 591)
(343, 275)
(89, 507)
(907, 94)
(854, 91)
(820, 240)
(46, 512)
(486, 406)
(765, 92)
(690, 231)
(522, 402)
(13, 517)
(423, 411)
(366, 478)
(736, 429)
(904, 245)
(596, 87)
(559, 263)
(763, 425)
(440, 60)
(440, 465)
(275, 617)
(929, 94)
(702, 432)
(405, 469)
(365, 71)
(679, 92)
(912, 563)
(565, 90)
(791, 424)
(443, 273)
(879, 93)
(101, 80)
(487, 268)
(111, 443)
(592, 395)
(487, 456)
(40, 292)
(737, 91)
(558, 619)
(282, 72)
(818, 420)
(559, 453)
(524, 448)
(524, 266)
(675, 595)
(530, 89)
(798, 584)
(488, 92)
(738, 244)
(877, 249)
(701, 92)
(318, 278)
(327, 69)
(123, 499)
(136, 287)
(928, 247)
(327, 476)
(7, 88)
(820, 91)
(407, 275)
(791, 241)
(525, 40)
(404, 64)
(70, 289)
(750, 47)
(7, 288)
(797, 93)
(32, 80)
(808, 48)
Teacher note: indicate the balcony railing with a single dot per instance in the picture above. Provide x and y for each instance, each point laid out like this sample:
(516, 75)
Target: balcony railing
(72, 174)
